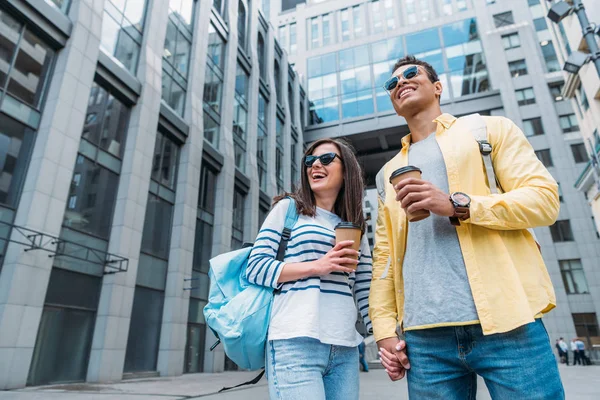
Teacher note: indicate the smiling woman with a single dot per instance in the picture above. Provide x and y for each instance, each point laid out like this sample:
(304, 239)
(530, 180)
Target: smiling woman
(316, 270)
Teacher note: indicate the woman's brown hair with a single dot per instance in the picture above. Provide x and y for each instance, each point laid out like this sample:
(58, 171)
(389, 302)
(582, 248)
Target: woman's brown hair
(348, 205)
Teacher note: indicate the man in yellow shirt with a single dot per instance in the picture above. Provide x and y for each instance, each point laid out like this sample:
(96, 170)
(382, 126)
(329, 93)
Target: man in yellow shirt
(466, 286)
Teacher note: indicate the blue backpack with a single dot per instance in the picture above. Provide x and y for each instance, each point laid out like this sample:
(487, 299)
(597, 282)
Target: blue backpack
(238, 312)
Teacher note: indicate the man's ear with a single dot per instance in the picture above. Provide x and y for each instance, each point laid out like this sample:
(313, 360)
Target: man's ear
(439, 88)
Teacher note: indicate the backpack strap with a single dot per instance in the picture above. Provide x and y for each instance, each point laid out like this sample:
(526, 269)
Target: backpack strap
(478, 128)
(290, 220)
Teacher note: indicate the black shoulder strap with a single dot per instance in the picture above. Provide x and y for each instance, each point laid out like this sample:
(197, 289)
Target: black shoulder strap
(250, 382)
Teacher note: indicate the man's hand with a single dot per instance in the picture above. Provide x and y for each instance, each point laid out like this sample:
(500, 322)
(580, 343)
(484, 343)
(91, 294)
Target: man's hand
(417, 194)
(392, 352)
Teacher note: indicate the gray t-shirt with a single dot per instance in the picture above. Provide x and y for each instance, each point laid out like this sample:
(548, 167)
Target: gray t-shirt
(437, 289)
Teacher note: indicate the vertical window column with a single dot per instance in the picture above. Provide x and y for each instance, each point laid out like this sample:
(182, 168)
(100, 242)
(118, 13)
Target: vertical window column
(213, 86)
(196, 329)
(146, 316)
(176, 57)
(240, 117)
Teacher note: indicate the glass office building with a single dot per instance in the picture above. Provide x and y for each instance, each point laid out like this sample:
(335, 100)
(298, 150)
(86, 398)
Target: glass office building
(493, 57)
(132, 150)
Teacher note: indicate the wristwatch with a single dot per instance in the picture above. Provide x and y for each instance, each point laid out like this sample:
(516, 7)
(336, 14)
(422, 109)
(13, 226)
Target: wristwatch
(461, 202)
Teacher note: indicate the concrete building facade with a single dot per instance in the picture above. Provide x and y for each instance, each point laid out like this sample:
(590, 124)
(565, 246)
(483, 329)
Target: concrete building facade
(494, 58)
(137, 140)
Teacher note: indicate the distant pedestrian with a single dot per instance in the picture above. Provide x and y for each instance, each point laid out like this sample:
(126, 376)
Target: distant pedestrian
(561, 354)
(565, 349)
(581, 349)
(575, 350)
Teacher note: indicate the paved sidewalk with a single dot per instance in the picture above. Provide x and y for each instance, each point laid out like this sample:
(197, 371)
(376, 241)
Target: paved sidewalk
(581, 383)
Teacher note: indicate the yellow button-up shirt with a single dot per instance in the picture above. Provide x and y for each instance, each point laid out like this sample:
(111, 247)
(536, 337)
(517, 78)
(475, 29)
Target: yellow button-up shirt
(507, 275)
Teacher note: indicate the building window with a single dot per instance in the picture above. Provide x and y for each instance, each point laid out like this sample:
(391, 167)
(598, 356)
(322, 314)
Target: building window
(165, 161)
(326, 30)
(525, 96)
(283, 37)
(93, 190)
(584, 101)
(291, 103)
(294, 162)
(213, 86)
(511, 41)
(355, 79)
(573, 276)
(293, 39)
(561, 231)
(586, 327)
(503, 19)
(25, 62)
(389, 14)
(568, 123)
(122, 29)
(240, 117)
(540, 24)
(560, 193)
(322, 88)
(241, 25)
(377, 23)
(260, 50)
(279, 154)
(221, 8)
(533, 127)
(176, 57)
(424, 8)
(550, 57)
(556, 89)
(16, 144)
(544, 157)
(277, 76)
(345, 18)
(92, 197)
(262, 141)
(357, 15)
(314, 32)
(517, 68)
(237, 233)
(580, 154)
(411, 13)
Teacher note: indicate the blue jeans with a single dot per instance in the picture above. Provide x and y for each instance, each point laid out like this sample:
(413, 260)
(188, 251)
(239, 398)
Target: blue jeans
(306, 369)
(518, 364)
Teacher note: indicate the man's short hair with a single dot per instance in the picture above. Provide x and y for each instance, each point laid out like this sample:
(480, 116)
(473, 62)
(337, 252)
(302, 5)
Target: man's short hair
(412, 60)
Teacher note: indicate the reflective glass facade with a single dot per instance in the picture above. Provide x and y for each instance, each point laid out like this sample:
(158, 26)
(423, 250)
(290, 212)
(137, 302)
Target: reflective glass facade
(347, 83)
(122, 30)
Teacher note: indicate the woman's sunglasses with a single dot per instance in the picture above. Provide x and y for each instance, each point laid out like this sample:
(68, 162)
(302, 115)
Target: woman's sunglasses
(325, 159)
(408, 73)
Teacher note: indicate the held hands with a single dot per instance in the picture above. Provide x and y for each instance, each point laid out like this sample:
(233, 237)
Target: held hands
(417, 194)
(392, 352)
(336, 258)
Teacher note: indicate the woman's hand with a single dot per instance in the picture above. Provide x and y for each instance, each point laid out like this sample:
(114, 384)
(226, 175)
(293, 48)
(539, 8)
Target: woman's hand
(330, 262)
(335, 259)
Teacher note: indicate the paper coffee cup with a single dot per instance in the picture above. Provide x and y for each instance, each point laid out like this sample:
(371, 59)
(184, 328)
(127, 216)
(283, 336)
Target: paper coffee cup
(348, 231)
(410, 171)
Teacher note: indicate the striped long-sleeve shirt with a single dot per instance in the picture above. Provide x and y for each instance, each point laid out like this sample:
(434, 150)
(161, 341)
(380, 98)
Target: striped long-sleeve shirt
(320, 307)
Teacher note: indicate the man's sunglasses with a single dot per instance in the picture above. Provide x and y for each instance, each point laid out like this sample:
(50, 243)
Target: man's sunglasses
(325, 159)
(408, 73)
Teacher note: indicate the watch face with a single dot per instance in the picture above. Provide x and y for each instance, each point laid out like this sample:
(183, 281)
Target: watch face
(461, 199)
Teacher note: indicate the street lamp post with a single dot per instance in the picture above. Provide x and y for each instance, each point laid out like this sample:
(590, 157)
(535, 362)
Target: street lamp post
(575, 61)
(588, 33)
